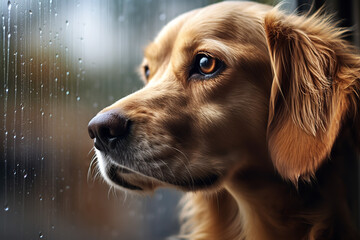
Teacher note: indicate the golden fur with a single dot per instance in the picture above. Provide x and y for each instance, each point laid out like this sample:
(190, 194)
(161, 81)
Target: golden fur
(251, 145)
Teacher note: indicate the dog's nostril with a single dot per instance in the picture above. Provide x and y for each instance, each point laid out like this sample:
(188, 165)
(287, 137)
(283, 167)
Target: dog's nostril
(107, 128)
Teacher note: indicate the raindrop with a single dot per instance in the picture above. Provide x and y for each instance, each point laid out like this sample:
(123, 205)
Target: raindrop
(67, 73)
(67, 92)
(53, 198)
(80, 60)
(9, 35)
(25, 175)
(6, 208)
(57, 55)
(78, 99)
(41, 235)
(50, 42)
(67, 23)
(162, 17)
(56, 79)
(67, 187)
(14, 172)
(52, 227)
(40, 198)
(9, 5)
(30, 12)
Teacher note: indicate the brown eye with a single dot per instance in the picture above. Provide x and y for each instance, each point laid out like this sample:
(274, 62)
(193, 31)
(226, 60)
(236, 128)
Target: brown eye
(207, 65)
(147, 72)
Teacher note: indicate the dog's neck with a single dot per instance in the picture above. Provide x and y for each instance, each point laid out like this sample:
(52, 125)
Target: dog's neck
(256, 203)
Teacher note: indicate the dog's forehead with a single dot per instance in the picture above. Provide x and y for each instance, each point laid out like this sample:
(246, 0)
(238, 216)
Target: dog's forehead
(226, 20)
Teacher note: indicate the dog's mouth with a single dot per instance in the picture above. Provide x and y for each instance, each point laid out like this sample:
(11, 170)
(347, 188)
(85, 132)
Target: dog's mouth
(147, 179)
(114, 174)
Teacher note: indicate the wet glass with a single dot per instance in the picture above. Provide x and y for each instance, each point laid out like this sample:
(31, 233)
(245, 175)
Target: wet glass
(61, 62)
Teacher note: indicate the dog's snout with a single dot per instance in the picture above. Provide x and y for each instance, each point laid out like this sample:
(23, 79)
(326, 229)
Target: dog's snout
(107, 128)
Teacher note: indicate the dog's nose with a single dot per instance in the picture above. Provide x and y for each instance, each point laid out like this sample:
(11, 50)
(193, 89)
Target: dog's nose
(107, 128)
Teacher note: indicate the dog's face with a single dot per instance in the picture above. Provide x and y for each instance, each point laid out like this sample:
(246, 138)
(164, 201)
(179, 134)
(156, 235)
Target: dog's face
(203, 110)
(203, 98)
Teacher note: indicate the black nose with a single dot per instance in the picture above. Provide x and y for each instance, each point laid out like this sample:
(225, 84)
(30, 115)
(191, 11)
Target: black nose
(107, 128)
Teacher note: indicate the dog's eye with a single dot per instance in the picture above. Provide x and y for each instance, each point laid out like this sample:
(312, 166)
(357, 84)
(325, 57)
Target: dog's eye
(147, 71)
(206, 65)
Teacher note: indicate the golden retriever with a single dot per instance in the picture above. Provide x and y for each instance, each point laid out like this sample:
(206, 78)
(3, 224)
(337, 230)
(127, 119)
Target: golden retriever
(242, 108)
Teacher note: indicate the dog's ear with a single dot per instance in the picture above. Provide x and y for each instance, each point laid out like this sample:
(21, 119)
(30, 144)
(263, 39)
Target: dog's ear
(307, 101)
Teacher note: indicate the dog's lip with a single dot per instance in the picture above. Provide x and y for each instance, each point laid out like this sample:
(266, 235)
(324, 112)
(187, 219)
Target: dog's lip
(113, 174)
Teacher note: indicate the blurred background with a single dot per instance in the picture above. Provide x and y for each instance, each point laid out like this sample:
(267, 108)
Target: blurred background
(62, 61)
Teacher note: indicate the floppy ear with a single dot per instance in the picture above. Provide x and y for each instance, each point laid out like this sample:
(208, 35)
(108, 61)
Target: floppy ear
(307, 101)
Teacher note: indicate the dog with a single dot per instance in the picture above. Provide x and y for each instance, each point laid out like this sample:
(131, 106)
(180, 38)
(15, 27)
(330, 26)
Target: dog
(243, 109)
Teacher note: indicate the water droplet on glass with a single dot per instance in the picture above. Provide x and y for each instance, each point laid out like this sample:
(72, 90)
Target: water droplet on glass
(25, 175)
(162, 17)
(14, 172)
(78, 99)
(9, 5)
(67, 73)
(57, 55)
(6, 90)
(50, 42)
(81, 38)
(9, 35)
(56, 79)
(6, 208)
(41, 235)
(80, 60)
(67, 23)
(53, 198)
(40, 198)
(52, 227)
(30, 12)
(67, 92)
(42, 158)
(67, 187)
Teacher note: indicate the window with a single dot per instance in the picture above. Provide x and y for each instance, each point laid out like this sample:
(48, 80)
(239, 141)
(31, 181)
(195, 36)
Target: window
(61, 62)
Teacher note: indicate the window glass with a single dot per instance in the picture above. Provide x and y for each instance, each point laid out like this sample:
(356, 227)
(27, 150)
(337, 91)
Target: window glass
(62, 61)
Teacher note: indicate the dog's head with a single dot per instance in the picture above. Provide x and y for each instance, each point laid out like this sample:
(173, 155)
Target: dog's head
(225, 85)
